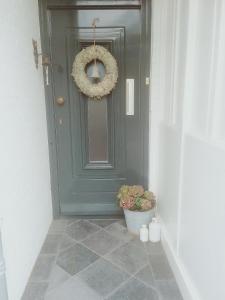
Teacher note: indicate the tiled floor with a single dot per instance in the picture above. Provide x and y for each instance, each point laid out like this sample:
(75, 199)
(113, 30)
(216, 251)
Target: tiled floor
(98, 259)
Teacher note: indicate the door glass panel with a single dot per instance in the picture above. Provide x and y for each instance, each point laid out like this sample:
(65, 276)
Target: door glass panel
(98, 131)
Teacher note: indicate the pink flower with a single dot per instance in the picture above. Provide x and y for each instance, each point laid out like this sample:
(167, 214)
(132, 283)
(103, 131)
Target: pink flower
(135, 198)
(146, 204)
(127, 202)
(136, 191)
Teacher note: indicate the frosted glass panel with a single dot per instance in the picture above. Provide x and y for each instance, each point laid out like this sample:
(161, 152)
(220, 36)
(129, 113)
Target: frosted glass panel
(98, 131)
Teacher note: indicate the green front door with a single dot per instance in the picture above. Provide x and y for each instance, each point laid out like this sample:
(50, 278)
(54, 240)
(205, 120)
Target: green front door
(99, 146)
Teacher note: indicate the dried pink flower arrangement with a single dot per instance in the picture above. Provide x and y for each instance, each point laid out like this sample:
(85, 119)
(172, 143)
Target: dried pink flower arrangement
(135, 198)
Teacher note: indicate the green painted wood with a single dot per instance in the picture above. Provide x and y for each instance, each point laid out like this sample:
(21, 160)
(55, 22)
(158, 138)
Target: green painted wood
(93, 4)
(85, 187)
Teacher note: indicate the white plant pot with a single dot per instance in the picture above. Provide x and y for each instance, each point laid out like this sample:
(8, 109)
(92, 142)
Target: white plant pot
(135, 219)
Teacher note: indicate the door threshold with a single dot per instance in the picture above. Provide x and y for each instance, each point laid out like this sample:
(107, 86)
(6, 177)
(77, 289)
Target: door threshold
(100, 217)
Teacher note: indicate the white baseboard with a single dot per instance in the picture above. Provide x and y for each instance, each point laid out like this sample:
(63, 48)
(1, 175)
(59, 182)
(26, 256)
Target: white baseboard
(184, 282)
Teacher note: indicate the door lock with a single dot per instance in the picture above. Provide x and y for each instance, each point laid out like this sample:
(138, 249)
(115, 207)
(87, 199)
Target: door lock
(60, 101)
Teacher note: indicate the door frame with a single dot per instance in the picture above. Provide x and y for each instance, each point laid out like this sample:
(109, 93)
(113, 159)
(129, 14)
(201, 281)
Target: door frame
(145, 7)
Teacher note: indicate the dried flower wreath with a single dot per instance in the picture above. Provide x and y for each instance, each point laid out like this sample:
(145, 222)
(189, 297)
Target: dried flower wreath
(100, 89)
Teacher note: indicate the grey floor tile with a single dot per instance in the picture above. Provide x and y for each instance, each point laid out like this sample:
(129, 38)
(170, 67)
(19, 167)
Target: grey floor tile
(101, 242)
(103, 223)
(136, 241)
(154, 248)
(58, 226)
(66, 242)
(80, 273)
(103, 277)
(35, 291)
(168, 290)
(119, 231)
(81, 230)
(42, 268)
(129, 257)
(72, 219)
(134, 290)
(51, 244)
(57, 277)
(160, 267)
(146, 276)
(122, 222)
(72, 289)
(76, 258)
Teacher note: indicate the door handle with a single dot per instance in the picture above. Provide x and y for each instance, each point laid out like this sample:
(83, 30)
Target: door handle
(60, 101)
(130, 97)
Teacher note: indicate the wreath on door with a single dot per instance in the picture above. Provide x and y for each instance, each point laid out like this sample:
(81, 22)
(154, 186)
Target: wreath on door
(95, 90)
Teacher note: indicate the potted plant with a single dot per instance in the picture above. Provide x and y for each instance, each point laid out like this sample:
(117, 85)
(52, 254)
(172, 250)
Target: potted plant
(138, 206)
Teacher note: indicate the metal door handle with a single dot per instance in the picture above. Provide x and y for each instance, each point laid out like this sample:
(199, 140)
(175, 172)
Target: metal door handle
(60, 101)
(130, 97)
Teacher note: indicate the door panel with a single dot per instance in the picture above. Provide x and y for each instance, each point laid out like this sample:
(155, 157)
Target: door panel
(99, 148)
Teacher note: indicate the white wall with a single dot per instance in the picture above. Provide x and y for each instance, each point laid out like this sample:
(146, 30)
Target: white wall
(188, 140)
(25, 196)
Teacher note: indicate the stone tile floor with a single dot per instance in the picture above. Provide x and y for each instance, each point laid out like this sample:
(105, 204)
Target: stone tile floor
(93, 259)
